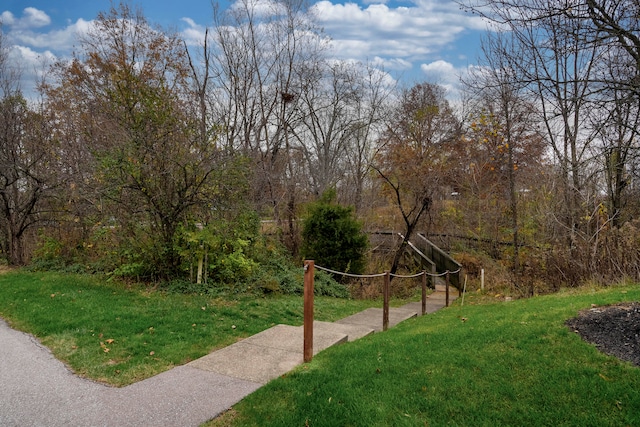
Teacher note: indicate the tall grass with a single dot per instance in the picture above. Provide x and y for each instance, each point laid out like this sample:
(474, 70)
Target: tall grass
(508, 364)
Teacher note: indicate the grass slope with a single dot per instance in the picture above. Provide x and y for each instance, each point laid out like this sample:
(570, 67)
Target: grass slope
(119, 335)
(501, 364)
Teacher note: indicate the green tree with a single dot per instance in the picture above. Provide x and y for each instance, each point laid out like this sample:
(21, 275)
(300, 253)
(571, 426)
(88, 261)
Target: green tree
(130, 91)
(333, 237)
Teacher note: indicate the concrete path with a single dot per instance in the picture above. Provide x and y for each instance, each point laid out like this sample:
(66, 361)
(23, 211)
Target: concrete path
(38, 390)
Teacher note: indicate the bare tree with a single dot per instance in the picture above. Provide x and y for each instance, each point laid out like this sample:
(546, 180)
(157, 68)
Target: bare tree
(504, 123)
(414, 154)
(617, 24)
(263, 56)
(27, 170)
(555, 61)
(368, 121)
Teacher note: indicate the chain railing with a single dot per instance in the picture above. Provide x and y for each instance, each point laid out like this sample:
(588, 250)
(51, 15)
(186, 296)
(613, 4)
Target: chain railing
(309, 272)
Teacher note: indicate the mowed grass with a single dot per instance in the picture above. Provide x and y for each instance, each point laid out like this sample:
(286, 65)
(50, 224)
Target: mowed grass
(491, 364)
(117, 334)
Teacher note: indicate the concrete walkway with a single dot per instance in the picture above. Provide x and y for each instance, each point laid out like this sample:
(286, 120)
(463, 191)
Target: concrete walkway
(38, 390)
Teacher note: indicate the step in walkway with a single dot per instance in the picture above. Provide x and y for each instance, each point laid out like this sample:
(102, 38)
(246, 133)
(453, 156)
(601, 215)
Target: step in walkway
(38, 390)
(276, 351)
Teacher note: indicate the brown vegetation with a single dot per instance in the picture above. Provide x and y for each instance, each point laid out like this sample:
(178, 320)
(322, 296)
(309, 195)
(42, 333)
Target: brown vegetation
(140, 161)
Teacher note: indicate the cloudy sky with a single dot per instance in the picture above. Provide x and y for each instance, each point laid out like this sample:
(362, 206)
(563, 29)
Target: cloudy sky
(415, 40)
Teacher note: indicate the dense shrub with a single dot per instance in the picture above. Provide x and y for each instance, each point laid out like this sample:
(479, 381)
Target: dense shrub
(333, 237)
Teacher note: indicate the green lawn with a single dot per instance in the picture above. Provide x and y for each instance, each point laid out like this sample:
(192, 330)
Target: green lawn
(491, 364)
(484, 364)
(117, 334)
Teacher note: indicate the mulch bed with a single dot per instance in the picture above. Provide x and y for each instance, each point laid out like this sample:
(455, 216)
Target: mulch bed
(614, 329)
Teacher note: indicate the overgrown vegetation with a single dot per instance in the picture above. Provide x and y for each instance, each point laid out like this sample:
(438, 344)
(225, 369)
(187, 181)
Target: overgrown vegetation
(139, 162)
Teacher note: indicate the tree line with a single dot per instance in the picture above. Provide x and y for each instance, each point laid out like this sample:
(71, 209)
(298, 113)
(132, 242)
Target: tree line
(151, 159)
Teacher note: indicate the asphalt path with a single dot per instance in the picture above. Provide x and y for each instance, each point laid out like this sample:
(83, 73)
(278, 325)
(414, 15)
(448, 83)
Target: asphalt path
(36, 389)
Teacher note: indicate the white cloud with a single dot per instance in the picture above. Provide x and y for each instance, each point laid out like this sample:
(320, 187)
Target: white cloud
(411, 33)
(391, 63)
(439, 68)
(194, 34)
(7, 18)
(447, 75)
(260, 8)
(34, 18)
(31, 18)
(59, 40)
(31, 65)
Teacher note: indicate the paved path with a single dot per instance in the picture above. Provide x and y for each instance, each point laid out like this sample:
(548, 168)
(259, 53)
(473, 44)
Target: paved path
(38, 390)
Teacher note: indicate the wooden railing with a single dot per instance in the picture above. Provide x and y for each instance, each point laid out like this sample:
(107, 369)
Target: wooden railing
(442, 260)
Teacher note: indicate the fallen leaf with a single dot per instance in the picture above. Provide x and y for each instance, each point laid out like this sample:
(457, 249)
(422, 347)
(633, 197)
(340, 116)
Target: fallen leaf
(110, 341)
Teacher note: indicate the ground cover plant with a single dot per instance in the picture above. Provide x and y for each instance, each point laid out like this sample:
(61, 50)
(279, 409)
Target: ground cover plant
(490, 364)
(119, 334)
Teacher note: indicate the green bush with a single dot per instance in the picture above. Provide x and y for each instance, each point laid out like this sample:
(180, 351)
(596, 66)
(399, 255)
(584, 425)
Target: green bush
(278, 274)
(333, 237)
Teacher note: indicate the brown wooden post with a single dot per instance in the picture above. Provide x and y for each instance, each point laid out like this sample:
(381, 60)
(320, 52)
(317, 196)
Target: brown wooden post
(446, 301)
(433, 276)
(424, 292)
(309, 267)
(385, 302)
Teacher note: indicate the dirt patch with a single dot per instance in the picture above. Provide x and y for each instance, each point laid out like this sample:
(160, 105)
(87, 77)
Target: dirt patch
(614, 329)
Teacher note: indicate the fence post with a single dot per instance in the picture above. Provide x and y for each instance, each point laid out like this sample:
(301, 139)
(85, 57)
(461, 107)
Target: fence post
(433, 276)
(446, 304)
(308, 310)
(424, 292)
(385, 303)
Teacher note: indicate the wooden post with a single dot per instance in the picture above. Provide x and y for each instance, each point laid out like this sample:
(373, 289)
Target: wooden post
(385, 303)
(309, 267)
(424, 292)
(433, 276)
(446, 301)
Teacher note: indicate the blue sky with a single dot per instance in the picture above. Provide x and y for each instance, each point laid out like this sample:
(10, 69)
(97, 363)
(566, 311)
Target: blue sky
(416, 40)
